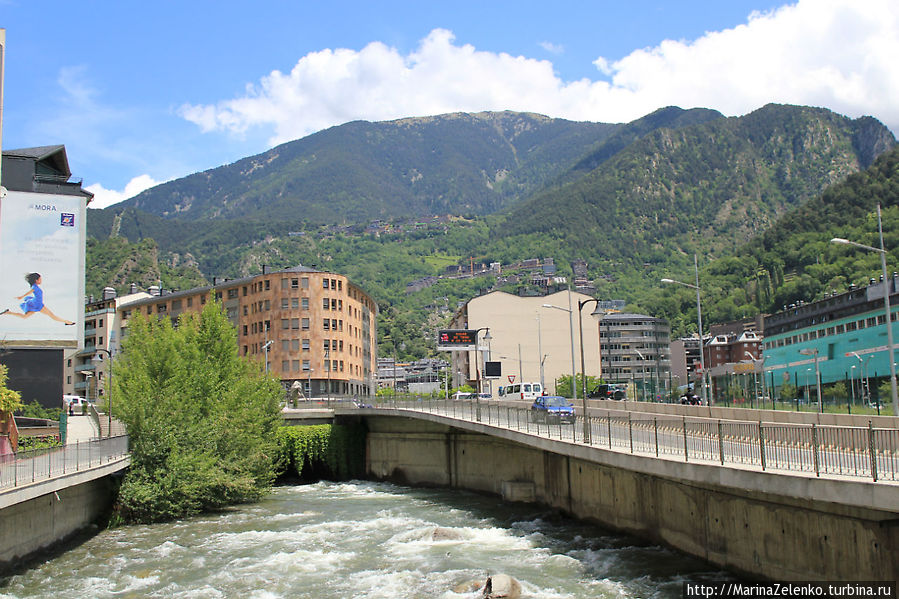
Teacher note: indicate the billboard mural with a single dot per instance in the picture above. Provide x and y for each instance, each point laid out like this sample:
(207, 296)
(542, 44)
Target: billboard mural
(41, 269)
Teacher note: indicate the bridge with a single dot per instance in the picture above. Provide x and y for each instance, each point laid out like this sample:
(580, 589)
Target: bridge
(48, 495)
(785, 501)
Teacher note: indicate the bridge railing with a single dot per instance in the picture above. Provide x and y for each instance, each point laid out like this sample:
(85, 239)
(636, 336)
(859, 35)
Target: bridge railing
(26, 467)
(864, 452)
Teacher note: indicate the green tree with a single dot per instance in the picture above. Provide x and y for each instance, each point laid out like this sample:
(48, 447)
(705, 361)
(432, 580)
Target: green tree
(201, 420)
(563, 384)
(10, 400)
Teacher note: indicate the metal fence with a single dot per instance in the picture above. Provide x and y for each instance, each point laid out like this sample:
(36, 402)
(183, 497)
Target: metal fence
(859, 452)
(27, 467)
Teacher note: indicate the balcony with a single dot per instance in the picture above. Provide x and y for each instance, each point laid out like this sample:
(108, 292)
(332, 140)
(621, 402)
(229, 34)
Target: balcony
(87, 366)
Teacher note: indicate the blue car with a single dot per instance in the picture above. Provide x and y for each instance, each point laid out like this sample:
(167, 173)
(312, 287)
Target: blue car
(552, 408)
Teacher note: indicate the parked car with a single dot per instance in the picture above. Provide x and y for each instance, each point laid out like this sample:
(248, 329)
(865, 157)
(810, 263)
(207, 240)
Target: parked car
(461, 395)
(552, 408)
(615, 391)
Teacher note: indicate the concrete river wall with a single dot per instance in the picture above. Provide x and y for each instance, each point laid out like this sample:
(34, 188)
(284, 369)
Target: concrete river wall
(770, 525)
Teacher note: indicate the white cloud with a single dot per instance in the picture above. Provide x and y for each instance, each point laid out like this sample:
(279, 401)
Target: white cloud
(552, 48)
(833, 53)
(104, 198)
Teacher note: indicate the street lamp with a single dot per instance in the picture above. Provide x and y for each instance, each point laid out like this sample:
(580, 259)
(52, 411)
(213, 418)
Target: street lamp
(477, 367)
(109, 383)
(699, 322)
(755, 378)
(571, 332)
(87, 384)
(813, 351)
(886, 303)
(866, 387)
(642, 374)
(265, 347)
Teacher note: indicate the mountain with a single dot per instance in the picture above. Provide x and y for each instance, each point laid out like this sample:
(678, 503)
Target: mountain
(450, 164)
(708, 186)
(634, 200)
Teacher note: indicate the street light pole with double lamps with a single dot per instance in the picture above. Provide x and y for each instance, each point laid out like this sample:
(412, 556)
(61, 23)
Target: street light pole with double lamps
(813, 351)
(642, 374)
(109, 383)
(886, 303)
(477, 367)
(571, 332)
(699, 319)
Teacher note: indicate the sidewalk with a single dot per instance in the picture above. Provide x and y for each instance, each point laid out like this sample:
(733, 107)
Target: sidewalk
(80, 428)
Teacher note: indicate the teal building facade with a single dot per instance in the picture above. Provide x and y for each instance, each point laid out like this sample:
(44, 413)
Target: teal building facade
(846, 330)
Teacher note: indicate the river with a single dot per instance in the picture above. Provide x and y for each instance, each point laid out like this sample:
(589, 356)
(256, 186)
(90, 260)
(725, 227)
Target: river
(360, 540)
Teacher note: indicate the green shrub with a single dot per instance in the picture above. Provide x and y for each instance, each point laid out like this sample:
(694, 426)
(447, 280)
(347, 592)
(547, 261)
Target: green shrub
(338, 450)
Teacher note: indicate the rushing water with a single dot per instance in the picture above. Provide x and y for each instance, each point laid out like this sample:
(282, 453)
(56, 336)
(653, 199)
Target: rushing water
(361, 540)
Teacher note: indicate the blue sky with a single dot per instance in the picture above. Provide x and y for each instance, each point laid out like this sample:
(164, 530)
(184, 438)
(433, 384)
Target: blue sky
(141, 93)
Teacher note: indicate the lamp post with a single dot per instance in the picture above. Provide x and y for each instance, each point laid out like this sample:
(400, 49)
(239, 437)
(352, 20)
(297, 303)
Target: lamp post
(580, 322)
(109, 383)
(813, 351)
(265, 347)
(87, 384)
(580, 328)
(571, 332)
(642, 374)
(477, 368)
(886, 303)
(328, 370)
(699, 322)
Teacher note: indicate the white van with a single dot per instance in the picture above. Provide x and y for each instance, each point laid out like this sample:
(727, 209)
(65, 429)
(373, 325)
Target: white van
(74, 404)
(526, 391)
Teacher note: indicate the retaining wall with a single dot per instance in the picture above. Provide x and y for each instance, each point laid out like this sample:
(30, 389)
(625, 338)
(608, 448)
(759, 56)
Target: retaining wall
(759, 524)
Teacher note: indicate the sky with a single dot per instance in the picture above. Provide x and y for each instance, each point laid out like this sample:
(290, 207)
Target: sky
(145, 92)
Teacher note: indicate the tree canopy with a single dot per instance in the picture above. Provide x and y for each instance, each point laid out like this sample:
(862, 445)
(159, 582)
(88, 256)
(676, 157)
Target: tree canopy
(201, 420)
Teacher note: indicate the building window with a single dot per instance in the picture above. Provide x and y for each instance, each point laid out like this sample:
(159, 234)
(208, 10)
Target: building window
(190, 302)
(232, 293)
(268, 284)
(326, 304)
(294, 283)
(305, 282)
(327, 324)
(294, 302)
(295, 323)
(305, 303)
(306, 366)
(285, 324)
(305, 324)
(295, 345)
(295, 365)
(285, 365)
(324, 283)
(305, 345)
(285, 345)
(284, 284)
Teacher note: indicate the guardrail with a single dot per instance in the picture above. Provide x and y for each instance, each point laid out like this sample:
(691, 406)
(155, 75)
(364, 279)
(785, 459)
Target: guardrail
(859, 452)
(31, 466)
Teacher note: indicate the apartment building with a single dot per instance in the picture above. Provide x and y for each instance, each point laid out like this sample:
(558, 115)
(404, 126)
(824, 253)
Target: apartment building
(86, 370)
(315, 330)
(636, 349)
